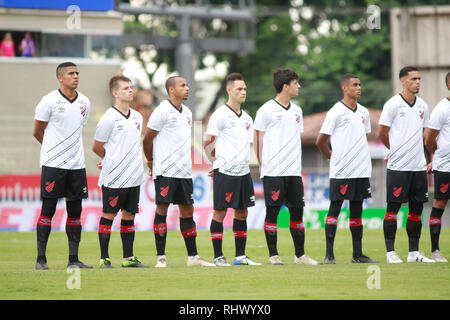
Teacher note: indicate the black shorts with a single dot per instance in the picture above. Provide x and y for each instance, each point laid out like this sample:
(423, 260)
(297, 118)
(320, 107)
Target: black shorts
(233, 191)
(115, 199)
(441, 185)
(174, 190)
(60, 183)
(404, 186)
(283, 190)
(356, 189)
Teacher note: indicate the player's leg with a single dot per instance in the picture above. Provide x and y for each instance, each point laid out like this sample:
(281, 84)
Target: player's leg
(163, 197)
(73, 231)
(441, 194)
(43, 229)
(216, 229)
(104, 236)
(435, 228)
(356, 229)
(274, 195)
(188, 228)
(330, 229)
(418, 195)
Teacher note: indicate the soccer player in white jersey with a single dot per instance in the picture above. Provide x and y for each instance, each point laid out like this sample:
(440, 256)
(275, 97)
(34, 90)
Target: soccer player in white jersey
(347, 123)
(278, 127)
(401, 126)
(59, 119)
(167, 146)
(227, 145)
(118, 142)
(437, 141)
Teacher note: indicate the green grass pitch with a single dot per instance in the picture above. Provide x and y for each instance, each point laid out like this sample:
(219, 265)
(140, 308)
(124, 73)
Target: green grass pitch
(343, 281)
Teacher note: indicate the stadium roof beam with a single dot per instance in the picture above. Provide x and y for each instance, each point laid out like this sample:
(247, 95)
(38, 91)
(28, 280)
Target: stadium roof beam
(185, 44)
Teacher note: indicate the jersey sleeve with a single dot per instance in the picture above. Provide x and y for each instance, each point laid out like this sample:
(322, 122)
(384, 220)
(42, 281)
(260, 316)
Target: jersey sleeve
(250, 130)
(438, 118)
(157, 119)
(43, 111)
(329, 123)
(215, 124)
(302, 128)
(426, 118)
(368, 126)
(104, 128)
(262, 120)
(387, 115)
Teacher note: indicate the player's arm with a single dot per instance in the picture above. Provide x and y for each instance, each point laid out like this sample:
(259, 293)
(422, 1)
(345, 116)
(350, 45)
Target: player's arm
(383, 134)
(430, 139)
(39, 128)
(322, 144)
(99, 149)
(149, 136)
(258, 145)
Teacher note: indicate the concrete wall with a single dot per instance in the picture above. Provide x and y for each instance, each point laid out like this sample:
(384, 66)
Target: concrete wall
(420, 36)
(23, 82)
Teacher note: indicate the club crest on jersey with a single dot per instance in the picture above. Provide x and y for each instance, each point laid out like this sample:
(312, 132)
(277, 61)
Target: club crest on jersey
(189, 121)
(421, 113)
(297, 118)
(363, 119)
(247, 126)
(138, 126)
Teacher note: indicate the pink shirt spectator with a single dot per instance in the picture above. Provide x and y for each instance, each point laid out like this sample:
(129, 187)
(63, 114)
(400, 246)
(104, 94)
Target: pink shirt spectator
(7, 48)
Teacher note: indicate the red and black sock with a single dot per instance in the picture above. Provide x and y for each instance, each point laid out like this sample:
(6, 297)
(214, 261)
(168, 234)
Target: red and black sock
(160, 231)
(104, 235)
(44, 227)
(414, 225)
(435, 227)
(297, 229)
(240, 236)
(73, 228)
(390, 224)
(331, 226)
(127, 232)
(356, 227)
(189, 233)
(270, 229)
(216, 229)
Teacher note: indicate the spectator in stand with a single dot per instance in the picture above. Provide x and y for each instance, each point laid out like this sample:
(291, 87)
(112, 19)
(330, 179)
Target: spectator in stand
(7, 46)
(27, 46)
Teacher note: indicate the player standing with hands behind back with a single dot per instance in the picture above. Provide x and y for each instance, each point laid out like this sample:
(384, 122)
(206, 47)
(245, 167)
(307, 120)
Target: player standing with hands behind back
(118, 142)
(59, 121)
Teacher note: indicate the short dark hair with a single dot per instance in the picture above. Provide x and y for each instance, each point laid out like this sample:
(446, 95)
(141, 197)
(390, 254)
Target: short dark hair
(113, 82)
(447, 79)
(64, 65)
(347, 77)
(405, 70)
(282, 77)
(233, 77)
(170, 82)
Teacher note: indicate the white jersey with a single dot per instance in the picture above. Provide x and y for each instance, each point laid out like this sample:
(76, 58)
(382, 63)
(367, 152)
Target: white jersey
(440, 120)
(350, 155)
(62, 145)
(172, 145)
(406, 124)
(234, 135)
(122, 165)
(282, 148)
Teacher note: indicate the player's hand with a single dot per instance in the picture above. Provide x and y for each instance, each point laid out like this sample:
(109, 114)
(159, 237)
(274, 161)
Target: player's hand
(100, 164)
(387, 156)
(430, 168)
(211, 173)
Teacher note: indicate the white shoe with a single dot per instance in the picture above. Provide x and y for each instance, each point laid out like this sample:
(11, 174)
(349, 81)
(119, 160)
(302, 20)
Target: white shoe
(245, 261)
(416, 256)
(197, 261)
(221, 262)
(161, 262)
(275, 260)
(437, 256)
(304, 259)
(392, 257)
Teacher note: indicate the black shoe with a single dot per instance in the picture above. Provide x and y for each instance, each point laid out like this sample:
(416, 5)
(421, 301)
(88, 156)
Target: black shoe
(78, 264)
(363, 259)
(329, 260)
